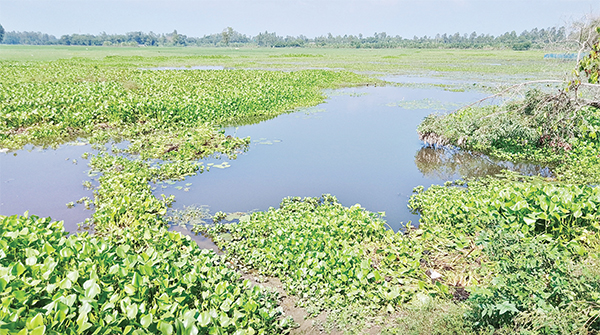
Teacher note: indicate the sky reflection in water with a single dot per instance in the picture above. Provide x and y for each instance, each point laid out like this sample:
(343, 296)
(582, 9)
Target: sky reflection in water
(361, 146)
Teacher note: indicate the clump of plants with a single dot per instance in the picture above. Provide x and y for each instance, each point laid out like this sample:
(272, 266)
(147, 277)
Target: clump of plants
(528, 248)
(539, 286)
(133, 276)
(543, 126)
(144, 281)
(48, 103)
(329, 256)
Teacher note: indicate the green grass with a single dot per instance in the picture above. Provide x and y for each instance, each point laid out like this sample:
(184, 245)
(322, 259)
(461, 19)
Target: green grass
(489, 65)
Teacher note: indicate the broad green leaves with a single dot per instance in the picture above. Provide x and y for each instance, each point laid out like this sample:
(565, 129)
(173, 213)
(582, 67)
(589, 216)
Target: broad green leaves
(58, 101)
(329, 255)
(560, 210)
(144, 279)
(537, 243)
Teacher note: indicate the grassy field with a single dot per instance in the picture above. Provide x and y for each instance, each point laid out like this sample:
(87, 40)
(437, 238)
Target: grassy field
(488, 65)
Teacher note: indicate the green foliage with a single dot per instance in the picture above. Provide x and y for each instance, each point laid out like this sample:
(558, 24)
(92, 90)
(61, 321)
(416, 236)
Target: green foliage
(124, 197)
(465, 65)
(521, 45)
(328, 255)
(146, 280)
(61, 100)
(533, 206)
(538, 38)
(480, 128)
(534, 274)
(535, 242)
(133, 276)
(333, 258)
(590, 64)
(538, 242)
(546, 128)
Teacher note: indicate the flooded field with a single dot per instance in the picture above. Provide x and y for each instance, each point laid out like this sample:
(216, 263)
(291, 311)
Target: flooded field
(361, 146)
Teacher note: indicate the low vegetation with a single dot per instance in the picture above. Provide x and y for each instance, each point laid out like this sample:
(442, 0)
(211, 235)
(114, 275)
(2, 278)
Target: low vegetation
(144, 281)
(62, 100)
(528, 245)
(328, 255)
(132, 275)
(500, 254)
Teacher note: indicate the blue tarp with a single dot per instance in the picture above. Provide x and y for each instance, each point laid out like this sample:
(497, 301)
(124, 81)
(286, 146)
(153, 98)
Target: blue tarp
(560, 56)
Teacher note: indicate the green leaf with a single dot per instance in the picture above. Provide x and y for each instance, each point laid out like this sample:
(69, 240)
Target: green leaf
(137, 280)
(48, 248)
(19, 269)
(30, 261)
(91, 288)
(41, 330)
(250, 306)
(220, 288)
(36, 321)
(165, 328)
(505, 306)
(146, 320)
(132, 311)
(129, 289)
(204, 319)
(122, 250)
(224, 320)
(226, 305)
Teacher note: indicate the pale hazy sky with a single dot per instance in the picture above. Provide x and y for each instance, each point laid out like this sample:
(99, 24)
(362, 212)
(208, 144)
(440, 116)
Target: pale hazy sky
(291, 17)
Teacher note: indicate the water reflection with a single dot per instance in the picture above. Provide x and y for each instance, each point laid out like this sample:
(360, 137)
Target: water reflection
(360, 146)
(450, 163)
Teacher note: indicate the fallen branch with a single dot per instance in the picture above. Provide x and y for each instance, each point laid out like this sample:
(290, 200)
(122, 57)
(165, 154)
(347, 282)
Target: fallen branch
(508, 89)
(587, 102)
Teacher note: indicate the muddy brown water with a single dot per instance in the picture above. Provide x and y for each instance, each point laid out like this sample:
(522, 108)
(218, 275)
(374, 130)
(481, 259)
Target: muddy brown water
(360, 145)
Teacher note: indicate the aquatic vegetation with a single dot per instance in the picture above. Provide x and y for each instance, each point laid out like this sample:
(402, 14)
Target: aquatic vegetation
(328, 255)
(170, 120)
(520, 246)
(191, 215)
(144, 281)
(133, 276)
(530, 205)
(528, 245)
(45, 103)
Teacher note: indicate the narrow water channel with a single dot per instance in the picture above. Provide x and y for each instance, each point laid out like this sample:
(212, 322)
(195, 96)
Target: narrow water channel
(360, 145)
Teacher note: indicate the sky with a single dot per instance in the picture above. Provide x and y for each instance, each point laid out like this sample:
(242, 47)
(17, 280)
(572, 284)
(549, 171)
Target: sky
(311, 18)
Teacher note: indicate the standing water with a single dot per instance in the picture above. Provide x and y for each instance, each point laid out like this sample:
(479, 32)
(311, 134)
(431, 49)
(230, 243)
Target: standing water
(361, 146)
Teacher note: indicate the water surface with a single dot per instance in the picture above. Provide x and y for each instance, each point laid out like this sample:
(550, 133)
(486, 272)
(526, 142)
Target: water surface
(360, 145)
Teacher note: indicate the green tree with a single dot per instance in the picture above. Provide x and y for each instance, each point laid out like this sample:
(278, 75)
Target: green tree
(227, 34)
(1, 33)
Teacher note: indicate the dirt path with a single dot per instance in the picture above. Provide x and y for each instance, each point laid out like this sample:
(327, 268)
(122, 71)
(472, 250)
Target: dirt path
(308, 326)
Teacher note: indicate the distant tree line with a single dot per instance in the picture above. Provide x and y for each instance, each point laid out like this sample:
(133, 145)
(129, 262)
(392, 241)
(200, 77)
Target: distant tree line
(535, 38)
